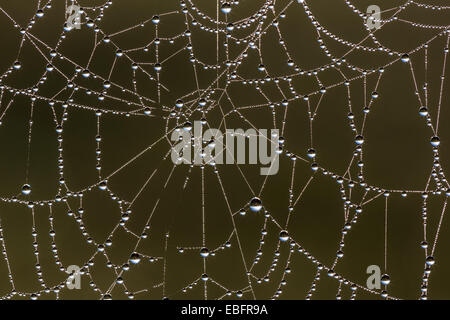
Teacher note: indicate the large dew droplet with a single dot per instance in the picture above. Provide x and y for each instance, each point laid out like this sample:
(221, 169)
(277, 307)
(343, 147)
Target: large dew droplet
(255, 204)
(429, 261)
(435, 141)
(385, 279)
(135, 258)
(284, 236)
(405, 58)
(204, 252)
(26, 189)
(226, 8)
(359, 140)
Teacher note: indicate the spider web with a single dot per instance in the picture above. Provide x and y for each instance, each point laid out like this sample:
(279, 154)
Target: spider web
(87, 117)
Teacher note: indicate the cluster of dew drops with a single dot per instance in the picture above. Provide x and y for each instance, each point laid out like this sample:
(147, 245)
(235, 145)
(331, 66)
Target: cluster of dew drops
(255, 204)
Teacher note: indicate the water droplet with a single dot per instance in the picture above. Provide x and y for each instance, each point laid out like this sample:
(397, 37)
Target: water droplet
(102, 186)
(423, 111)
(405, 58)
(255, 204)
(385, 280)
(435, 141)
(187, 126)
(202, 102)
(179, 103)
(359, 140)
(429, 261)
(226, 8)
(284, 236)
(311, 153)
(135, 258)
(26, 189)
(204, 252)
(156, 19)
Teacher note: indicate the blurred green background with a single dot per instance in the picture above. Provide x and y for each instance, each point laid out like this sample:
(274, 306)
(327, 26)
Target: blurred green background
(397, 153)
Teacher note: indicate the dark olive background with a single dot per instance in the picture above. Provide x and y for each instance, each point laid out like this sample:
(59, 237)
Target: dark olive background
(397, 154)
